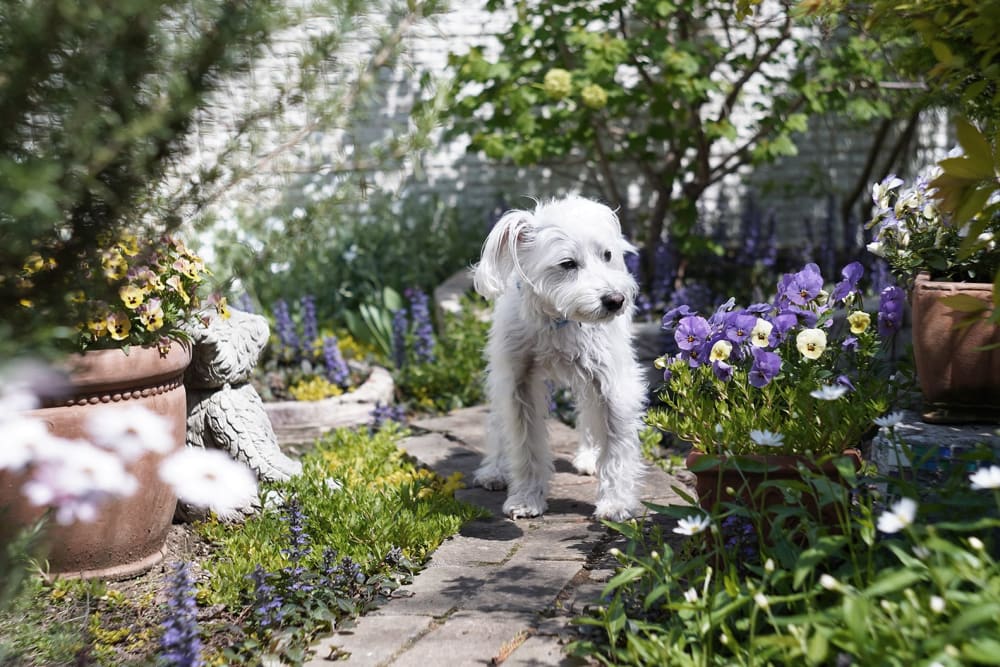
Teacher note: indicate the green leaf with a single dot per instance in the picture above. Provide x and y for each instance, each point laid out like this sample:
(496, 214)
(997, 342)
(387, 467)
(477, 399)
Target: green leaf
(942, 52)
(983, 651)
(964, 167)
(964, 303)
(973, 203)
(817, 649)
(626, 576)
(975, 145)
(890, 583)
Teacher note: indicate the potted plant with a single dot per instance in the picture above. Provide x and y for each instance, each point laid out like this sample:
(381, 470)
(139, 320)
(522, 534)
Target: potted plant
(950, 269)
(762, 389)
(128, 304)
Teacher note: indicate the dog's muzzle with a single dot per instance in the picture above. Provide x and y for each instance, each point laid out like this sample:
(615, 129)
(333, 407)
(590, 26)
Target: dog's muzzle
(613, 302)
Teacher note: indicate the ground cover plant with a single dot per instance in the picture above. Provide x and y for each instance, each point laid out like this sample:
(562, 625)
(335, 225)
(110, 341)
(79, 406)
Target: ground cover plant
(899, 577)
(328, 544)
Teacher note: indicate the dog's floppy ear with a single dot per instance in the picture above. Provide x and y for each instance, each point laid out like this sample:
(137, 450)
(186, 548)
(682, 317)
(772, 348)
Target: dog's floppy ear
(499, 257)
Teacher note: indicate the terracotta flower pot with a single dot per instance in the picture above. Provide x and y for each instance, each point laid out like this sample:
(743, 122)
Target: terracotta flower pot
(129, 533)
(746, 476)
(959, 383)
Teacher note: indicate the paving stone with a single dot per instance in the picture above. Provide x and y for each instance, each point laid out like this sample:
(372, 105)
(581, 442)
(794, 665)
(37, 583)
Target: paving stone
(373, 642)
(467, 425)
(538, 651)
(523, 584)
(467, 639)
(444, 456)
(438, 591)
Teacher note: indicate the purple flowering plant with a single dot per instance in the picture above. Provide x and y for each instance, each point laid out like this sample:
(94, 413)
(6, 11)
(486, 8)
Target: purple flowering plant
(805, 373)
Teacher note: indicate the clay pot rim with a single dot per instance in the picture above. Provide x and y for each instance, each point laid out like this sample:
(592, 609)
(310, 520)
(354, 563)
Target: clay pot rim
(775, 461)
(115, 367)
(924, 279)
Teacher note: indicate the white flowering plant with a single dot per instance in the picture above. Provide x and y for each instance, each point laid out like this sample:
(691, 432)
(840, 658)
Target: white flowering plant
(804, 374)
(913, 234)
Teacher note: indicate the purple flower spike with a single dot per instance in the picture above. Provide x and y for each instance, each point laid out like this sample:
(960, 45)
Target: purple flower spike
(851, 274)
(692, 332)
(766, 366)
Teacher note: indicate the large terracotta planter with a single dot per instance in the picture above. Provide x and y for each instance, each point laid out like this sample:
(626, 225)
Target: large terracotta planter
(959, 383)
(752, 477)
(129, 533)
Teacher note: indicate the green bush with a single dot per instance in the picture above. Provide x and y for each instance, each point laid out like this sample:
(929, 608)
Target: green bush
(885, 583)
(456, 376)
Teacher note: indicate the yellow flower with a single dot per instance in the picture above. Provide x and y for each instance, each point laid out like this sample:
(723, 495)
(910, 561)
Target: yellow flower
(129, 245)
(174, 282)
(222, 307)
(77, 296)
(115, 266)
(721, 350)
(131, 296)
(558, 83)
(593, 96)
(119, 326)
(152, 318)
(33, 263)
(97, 322)
(859, 321)
(811, 343)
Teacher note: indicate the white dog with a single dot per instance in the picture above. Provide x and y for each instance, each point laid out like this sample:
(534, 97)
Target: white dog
(564, 302)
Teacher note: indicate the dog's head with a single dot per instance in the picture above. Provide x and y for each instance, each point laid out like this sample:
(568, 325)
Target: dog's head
(567, 254)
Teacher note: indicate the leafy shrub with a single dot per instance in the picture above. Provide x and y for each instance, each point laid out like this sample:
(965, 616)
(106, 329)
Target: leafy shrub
(452, 376)
(885, 583)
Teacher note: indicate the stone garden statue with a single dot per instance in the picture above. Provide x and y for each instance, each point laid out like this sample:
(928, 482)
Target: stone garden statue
(224, 410)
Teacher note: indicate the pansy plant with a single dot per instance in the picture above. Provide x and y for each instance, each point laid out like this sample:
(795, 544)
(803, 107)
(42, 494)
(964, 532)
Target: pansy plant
(804, 373)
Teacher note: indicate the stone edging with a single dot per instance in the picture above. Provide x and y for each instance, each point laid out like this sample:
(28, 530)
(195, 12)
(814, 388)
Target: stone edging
(304, 421)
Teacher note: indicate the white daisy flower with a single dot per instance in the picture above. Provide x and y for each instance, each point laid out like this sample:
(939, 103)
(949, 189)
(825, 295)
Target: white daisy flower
(986, 478)
(130, 430)
(761, 601)
(829, 582)
(692, 525)
(209, 478)
(691, 595)
(890, 420)
(899, 516)
(937, 604)
(829, 392)
(767, 438)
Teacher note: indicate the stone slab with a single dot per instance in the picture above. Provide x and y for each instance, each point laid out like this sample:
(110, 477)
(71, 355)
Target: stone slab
(468, 640)
(443, 455)
(374, 642)
(935, 445)
(542, 650)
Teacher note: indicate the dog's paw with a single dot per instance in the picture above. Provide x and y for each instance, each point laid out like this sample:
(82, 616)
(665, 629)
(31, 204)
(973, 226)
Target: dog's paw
(524, 506)
(490, 479)
(616, 511)
(585, 462)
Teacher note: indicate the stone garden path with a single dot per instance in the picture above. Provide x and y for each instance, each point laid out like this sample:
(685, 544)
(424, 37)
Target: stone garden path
(500, 591)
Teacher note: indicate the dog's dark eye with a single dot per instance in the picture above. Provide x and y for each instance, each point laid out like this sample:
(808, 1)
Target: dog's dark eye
(569, 264)
(607, 255)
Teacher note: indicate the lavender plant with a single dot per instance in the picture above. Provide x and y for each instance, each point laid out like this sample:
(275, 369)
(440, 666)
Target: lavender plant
(337, 370)
(423, 329)
(804, 373)
(180, 644)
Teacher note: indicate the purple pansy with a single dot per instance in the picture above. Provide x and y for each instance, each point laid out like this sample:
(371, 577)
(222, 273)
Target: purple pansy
(739, 326)
(722, 370)
(766, 365)
(783, 323)
(671, 317)
(800, 288)
(692, 332)
(851, 274)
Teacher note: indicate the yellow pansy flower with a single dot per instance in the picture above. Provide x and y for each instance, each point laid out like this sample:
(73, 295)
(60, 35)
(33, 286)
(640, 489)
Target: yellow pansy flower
(129, 245)
(131, 296)
(859, 321)
(114, 265)
(119, 326)
(174, 282)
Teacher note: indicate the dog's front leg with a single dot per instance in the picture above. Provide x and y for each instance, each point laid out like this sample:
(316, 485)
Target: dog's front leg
(614, 422)
(522, 405)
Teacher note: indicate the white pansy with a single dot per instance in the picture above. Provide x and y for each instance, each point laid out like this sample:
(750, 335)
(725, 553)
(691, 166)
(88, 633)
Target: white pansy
(767, 438)
(209, 478)
(899, 516)
(130, 430)
(811, 343)
(760, 335)
(986, 478)
(829, 392)
(692, 525)
(720, 351)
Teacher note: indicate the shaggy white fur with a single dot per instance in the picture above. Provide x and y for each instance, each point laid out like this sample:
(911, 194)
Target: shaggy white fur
(563, 311)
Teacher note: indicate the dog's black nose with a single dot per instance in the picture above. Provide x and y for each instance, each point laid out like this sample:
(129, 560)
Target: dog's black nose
(613, 302)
